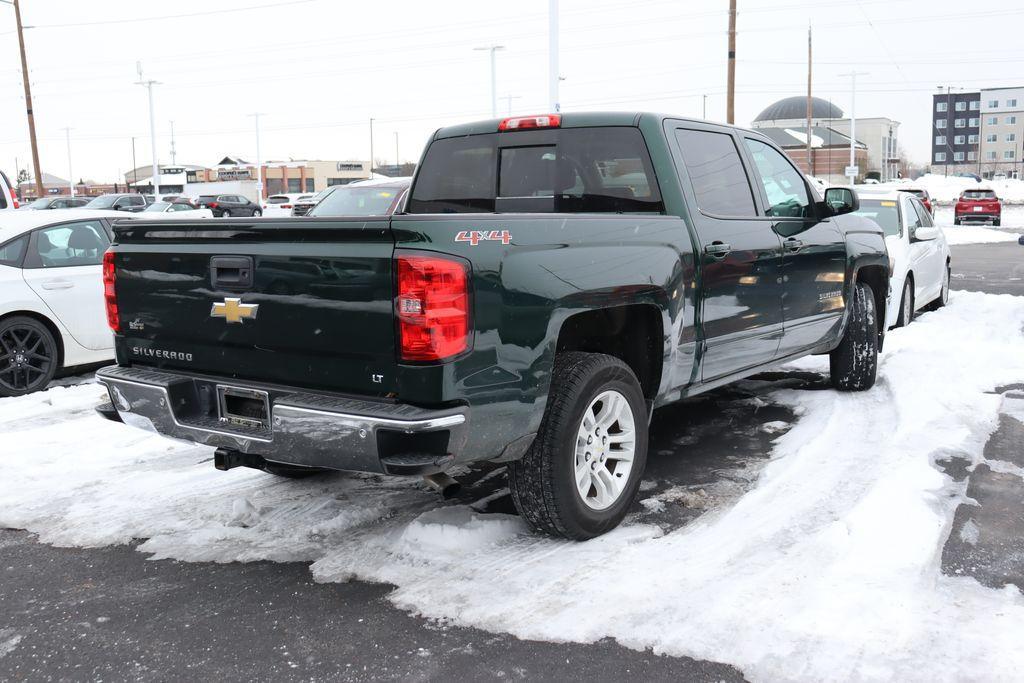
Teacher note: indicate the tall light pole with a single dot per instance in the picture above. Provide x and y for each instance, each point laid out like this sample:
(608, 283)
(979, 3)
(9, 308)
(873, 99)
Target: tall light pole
(259, 161)
(553, 75)
(493, 49)
(371, 148)
(71, 173)
(28, 98)
(853, 116)
(397, 162)
(152, 129)
(174, 155)
(135, 165)
(730, 98)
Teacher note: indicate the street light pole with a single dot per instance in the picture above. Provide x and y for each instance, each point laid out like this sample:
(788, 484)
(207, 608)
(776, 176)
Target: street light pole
(371, 148)
(397, 162)
(259, 161)
(853, 117)
(152, 130)
(493, 49)
(553, 75)
(71, 173)
(730, 99)
(28, 99)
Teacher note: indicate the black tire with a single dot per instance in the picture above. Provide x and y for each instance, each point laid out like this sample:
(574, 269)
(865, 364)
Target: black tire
(256, 213)
(291, 471)
(997, 222)
(29, 356)
(956, 221)
(543, 482)
(907, 302)
(225, 214)
(854, 363)
(943, 297)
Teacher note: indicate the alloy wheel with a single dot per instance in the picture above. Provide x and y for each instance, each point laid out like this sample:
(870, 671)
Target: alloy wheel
(25, 359)
(605, 449)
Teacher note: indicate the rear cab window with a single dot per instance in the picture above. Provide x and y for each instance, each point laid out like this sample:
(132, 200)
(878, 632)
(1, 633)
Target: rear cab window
(978, 194)
(563, 170)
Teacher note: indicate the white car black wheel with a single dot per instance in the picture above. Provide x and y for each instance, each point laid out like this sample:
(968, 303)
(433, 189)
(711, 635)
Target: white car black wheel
(906, 315)
(28, 356)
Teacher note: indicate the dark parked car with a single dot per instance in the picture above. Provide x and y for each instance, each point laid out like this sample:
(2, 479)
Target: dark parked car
(228, 205)
(58, 202)
(548, 283)
(369, 198)
(119, 202)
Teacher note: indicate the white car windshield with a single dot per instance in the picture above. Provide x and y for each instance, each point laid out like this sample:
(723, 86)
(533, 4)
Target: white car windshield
(882, 211)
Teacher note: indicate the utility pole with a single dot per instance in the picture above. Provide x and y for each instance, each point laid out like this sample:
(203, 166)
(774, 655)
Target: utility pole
(553, 75)
(508, 100)
(730, 100)
(135, 174)
(704, 115)
(493, 49)
(174, 156)
(71, 173)
(853, 116)
(397, 162)
(28, 99)
(371, 148)
(259, 161)
(810, 107)
(152, 129)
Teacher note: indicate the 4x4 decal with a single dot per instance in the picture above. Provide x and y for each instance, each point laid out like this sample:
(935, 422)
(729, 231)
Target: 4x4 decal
(475, 237)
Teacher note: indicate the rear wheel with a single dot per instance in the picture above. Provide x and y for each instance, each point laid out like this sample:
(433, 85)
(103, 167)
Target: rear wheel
(28, 356)
(256, 212)
(906, 304)
(956, 221)
(583, 470)
(997, 222)
(854, 363)
(225, 214)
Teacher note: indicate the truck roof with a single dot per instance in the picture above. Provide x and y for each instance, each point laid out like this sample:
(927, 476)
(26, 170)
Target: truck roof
(569, 120)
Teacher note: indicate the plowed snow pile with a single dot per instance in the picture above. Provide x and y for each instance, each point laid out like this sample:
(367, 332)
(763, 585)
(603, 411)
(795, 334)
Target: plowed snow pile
(827, 569)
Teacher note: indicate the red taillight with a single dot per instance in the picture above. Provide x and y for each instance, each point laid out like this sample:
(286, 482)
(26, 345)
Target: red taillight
(432, 307)
(14, 198)
(212, 205)
(113, 317)
(529, 122)
(286, 206)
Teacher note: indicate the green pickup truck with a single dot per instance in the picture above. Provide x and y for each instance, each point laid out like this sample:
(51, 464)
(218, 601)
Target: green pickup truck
(550, 281)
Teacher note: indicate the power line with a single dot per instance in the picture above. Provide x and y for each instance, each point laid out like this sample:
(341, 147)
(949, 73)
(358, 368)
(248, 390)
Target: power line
(136, 20)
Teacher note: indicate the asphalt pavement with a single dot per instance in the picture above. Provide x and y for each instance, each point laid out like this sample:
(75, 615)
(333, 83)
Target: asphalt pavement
(111, 614)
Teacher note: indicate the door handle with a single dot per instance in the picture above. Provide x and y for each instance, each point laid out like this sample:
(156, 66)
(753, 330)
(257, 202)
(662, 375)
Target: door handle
(793, 244)
(57, 284)
(717, 249)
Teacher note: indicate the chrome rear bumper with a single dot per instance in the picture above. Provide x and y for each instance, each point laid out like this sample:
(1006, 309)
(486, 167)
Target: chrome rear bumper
(312, 430)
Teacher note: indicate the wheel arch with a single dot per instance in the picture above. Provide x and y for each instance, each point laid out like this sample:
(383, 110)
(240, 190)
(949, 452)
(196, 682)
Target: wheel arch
(633, 333)
(47, 323)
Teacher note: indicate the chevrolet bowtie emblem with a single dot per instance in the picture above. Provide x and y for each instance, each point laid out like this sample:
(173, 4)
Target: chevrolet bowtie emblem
(233, 310)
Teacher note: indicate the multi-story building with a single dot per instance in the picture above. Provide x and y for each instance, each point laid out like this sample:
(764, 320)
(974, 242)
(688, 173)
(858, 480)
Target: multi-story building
(979, 132)
(956, 131)
(1002, 132)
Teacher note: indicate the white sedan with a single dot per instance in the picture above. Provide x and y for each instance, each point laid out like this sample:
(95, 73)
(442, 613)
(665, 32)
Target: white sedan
(52, 313)
(280, 205)
(175, 209)
(918, 252)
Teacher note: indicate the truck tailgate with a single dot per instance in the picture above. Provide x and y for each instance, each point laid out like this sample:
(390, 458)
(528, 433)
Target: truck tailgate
(314, 311)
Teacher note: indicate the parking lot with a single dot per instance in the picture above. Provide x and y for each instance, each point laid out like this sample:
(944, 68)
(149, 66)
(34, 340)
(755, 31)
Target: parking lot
(879, 524)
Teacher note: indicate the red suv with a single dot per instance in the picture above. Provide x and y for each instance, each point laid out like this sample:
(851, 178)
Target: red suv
(977, 206)
(925, 198)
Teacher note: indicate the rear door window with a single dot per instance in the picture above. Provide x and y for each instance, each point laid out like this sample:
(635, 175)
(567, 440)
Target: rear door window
(570, 170)
(716, 173)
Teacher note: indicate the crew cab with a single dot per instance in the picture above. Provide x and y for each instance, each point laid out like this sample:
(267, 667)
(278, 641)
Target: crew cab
(978, 206)
(550, 281)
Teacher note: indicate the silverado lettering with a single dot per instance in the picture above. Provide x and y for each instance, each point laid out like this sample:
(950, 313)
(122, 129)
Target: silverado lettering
(655, 258)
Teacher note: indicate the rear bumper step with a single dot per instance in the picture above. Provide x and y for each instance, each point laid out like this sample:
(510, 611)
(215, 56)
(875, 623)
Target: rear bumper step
(311, 430)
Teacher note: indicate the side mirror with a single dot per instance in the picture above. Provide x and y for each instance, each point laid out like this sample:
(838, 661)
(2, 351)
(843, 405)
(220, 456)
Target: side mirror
(924, 234)
(840, 200)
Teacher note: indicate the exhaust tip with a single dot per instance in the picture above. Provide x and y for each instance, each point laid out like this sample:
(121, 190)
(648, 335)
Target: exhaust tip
(443, 484)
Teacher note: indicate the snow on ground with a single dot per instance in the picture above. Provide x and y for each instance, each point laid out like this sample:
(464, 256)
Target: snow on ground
(829, 568)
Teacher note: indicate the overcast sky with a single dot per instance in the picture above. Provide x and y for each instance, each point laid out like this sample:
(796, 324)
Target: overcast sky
(319, 69)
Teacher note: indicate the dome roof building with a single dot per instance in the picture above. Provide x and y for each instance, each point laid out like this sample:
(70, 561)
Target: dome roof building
(795, 109)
